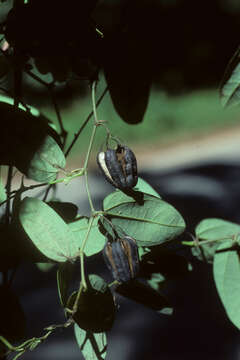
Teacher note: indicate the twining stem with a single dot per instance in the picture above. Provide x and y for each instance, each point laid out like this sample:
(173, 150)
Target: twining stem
(85, 122)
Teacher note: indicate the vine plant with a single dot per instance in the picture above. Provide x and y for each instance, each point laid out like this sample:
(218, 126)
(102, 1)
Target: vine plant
(131, 231)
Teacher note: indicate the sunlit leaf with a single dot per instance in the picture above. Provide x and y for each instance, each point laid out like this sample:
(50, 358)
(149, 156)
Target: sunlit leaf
(47, 230)
(210, 230)
(214, 229)
(46, 162)
(151, 223)
(145, 187)
(230, 87)
(93, 346)
(3, 195)
(96, 240)
(226, 269)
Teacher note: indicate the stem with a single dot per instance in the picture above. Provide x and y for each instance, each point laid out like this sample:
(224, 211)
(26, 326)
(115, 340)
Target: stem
(203, 242)
(85, 123)
(37, 78)
(7, 344)
(63, 133)
(88, 193)
(81, 253)
(8, 193)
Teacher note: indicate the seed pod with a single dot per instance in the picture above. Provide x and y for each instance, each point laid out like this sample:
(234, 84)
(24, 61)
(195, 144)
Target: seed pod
(121, 257)
(119, 166)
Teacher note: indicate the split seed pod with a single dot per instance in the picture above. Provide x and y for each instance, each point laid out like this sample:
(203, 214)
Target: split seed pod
(119, 166)
(121, 258)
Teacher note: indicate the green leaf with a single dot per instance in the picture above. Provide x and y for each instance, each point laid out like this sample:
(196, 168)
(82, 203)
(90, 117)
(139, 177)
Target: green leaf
(96, 240)
(64, 277)
(146, 188)
(230, 85)
(210, 230)
(3, 195)
(34, 146)
(47, 230)
(151, 223)
(226, 270)
(92, 346)
(95, 308)
(47, 160)
(216, 229)
(156, 281)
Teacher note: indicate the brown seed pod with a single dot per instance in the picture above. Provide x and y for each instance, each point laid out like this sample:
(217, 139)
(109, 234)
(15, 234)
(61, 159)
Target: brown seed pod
(119, 166)
(121, 258)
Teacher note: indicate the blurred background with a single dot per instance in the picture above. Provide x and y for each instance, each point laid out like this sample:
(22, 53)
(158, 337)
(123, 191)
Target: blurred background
(187, 147)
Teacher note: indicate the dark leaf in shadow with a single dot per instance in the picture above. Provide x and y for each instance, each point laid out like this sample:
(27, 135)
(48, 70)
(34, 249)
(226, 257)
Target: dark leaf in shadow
(128, 77)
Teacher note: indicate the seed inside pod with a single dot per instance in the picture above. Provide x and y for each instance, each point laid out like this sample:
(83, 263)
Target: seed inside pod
(121, 257)
(119, 167)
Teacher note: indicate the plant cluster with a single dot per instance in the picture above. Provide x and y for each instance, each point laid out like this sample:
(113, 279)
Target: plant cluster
(135, 226)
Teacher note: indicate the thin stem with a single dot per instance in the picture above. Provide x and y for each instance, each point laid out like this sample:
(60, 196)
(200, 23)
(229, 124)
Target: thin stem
(59, 118)
(8, 193)
(83, 278)
(85, 123)
(204, 242)
(37, 78)
(90, 146)
(88, 193)
(81, 253)
(7, 343)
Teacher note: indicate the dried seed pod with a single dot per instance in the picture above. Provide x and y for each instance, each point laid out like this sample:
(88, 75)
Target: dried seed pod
(119, 167)
(121, 257)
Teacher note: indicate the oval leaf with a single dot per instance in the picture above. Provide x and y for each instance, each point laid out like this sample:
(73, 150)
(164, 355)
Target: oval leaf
(226, 270)
(230, 86)
(47, 230)
(35, 149)
(46, 162)
(151, 223)
(96, 240)
(92, 346)
(129, 86)
(214, 229)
